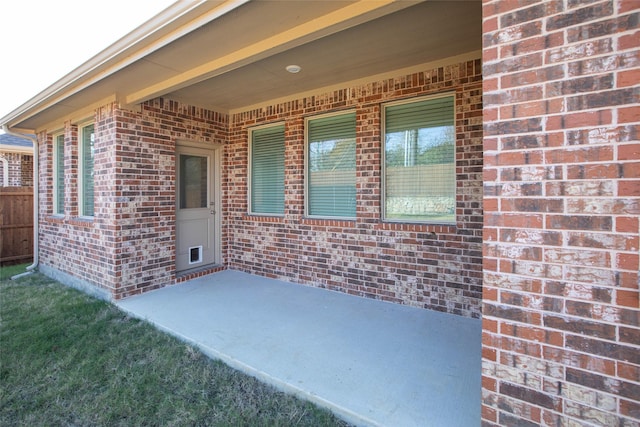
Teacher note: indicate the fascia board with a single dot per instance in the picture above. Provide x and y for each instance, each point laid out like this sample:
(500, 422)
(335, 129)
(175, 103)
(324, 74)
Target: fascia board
(4, 148)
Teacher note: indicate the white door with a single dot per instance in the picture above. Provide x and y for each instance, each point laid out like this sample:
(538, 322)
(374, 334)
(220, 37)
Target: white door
(196, 233)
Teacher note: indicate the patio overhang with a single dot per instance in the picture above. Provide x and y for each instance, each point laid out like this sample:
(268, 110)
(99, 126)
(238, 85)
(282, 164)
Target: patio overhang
(231, 55)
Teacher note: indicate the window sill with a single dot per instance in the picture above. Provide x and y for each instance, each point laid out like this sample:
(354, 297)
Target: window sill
(276, 219)
(329, 222)
(417, 227)
(56, 218)
(82, 221)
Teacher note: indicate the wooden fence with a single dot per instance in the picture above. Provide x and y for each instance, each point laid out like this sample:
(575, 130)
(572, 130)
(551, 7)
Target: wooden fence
(16, 224)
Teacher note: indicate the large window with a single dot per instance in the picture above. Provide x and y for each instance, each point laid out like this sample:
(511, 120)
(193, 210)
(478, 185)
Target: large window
(58, 170)
(331, 166)
(266, 152)
(87, 138)
(419, 161)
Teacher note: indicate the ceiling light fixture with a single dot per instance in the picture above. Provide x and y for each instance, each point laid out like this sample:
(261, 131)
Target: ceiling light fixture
(293, 69)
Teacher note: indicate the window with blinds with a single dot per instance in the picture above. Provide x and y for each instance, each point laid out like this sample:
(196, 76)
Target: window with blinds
(419, 161)
(331, 166)
(87, 138)
(58, 149)
(267, 171)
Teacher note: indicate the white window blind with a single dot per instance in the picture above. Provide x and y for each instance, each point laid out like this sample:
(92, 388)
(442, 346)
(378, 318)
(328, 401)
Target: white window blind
(59, 179)
(420, 161)
(87, 184)
(331, 174)
(267, 171)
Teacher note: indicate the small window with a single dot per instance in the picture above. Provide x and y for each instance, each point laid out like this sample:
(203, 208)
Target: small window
(194, 185)
(58, 170)
(419, 161)
(331, 166)
(266, 192)
(86, 154)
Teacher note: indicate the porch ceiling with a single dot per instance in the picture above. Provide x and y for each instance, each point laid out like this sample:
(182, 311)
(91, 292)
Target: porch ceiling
(229, 55)
(419, 34)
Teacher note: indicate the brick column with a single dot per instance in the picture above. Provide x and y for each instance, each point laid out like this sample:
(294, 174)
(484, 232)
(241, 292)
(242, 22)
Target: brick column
(561, 321)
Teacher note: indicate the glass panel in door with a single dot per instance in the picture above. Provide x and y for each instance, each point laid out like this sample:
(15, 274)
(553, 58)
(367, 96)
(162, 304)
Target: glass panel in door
(193, 182)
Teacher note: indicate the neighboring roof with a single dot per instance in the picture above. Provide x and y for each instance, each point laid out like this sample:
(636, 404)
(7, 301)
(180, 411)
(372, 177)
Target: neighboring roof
(230, 55)
(13, 144)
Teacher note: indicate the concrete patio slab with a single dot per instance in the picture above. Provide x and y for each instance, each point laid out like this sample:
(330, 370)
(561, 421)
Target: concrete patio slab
(371, 362)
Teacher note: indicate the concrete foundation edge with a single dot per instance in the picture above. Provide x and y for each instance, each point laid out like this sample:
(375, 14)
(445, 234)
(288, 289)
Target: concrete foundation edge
(76, 283)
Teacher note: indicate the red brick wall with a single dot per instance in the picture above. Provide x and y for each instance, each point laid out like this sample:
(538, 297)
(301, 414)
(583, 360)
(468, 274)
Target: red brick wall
(82, 248)
(561, 325)
(26, 170)
(145, 198)
(436, 267)
(19, 167)
(129, 246)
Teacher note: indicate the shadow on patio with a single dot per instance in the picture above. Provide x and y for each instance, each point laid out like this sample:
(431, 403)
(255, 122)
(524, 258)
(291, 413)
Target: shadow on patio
(371, 362)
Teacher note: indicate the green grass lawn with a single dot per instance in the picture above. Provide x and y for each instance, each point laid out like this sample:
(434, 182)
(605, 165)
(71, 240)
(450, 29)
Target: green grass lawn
(69, 359)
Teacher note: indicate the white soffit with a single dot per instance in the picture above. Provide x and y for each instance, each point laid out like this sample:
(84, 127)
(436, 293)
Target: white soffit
(422, 34)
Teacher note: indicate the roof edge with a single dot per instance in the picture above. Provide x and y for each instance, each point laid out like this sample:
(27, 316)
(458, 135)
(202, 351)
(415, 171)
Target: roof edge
(165, 27)
(15, 149)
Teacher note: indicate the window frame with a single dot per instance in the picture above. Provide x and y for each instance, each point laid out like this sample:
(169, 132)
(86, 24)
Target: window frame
(307, 164)
(81, 170)
(57, 169)
(250, 169)
(383, 164)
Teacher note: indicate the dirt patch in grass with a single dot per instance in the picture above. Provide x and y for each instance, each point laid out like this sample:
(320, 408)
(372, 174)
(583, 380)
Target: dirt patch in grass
(69, 359)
